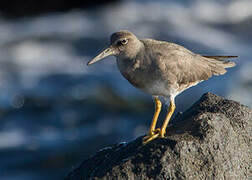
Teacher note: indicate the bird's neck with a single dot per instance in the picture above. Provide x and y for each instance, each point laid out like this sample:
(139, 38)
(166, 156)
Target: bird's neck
(124, 63)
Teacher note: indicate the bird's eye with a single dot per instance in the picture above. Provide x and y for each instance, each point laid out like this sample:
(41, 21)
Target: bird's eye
(122, 42)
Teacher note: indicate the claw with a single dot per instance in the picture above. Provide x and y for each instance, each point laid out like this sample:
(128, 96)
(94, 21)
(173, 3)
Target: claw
(162, 133)
(149, 138)
(157, 133)
(152, 135)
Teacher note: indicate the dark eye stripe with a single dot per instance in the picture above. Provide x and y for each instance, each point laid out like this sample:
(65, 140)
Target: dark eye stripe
(119, 43)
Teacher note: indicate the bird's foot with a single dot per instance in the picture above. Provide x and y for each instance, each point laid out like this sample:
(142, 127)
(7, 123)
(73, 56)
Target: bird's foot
(162, 133)
(152, 135)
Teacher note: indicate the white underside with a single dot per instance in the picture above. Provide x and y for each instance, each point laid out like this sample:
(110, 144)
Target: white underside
(160, 89)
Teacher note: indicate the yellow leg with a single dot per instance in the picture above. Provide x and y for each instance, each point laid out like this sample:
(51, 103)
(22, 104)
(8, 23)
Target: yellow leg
(158, 106)
(153, 133)
(167, 118)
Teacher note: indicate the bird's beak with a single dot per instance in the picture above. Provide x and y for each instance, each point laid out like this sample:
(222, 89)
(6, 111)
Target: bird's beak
(107, 52)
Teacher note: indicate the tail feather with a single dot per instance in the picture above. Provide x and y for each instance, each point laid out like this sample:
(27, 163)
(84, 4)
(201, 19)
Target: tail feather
(219, 63)
(228, 64)
(220, 57)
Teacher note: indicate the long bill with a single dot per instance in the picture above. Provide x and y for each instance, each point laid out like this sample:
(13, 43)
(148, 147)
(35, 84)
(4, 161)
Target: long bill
(107, 52)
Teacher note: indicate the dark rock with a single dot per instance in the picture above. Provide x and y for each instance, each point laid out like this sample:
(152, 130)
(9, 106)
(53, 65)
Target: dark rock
(211, 140)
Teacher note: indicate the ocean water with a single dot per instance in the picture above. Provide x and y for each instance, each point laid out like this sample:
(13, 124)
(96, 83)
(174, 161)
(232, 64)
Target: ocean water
(55, 111)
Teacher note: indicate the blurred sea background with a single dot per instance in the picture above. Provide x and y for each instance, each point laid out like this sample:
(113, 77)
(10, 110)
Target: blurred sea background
(55, 111)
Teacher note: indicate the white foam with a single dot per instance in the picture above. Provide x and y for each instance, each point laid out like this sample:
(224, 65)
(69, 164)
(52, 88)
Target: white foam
(10, 139)
(32, 58)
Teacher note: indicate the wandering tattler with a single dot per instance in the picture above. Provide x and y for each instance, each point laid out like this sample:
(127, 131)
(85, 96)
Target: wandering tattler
(162, 69)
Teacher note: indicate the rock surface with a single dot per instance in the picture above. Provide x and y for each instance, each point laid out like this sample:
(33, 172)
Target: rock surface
(211, 140)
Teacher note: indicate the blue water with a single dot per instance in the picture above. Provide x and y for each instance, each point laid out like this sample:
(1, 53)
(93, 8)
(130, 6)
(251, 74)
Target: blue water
(55, 111)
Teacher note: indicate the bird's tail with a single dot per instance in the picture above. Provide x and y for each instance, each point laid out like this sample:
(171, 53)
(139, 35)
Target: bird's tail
(219, 63)
(220, 57)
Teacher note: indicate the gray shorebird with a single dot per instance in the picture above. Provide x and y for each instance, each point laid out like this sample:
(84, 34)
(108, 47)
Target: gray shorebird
(162, 69)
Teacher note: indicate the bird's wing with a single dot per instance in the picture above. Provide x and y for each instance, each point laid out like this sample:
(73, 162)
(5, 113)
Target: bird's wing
(187, 68)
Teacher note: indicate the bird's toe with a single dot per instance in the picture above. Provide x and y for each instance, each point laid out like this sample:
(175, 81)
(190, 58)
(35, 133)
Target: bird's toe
(149, 138)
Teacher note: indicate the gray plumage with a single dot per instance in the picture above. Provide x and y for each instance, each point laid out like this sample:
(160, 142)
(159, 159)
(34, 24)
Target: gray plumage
(161, 69)
(148, 63)
(169, 63)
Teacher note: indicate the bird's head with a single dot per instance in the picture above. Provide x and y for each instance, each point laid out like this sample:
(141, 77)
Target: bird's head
(123, 44)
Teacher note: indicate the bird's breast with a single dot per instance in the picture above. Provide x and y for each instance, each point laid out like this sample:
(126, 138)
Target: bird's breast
(133, 72)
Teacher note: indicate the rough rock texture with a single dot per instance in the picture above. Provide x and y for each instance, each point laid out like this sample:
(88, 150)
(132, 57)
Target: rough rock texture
(212, 140)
